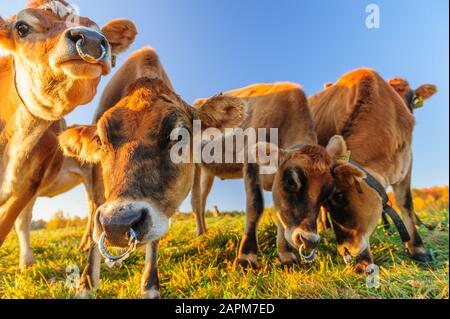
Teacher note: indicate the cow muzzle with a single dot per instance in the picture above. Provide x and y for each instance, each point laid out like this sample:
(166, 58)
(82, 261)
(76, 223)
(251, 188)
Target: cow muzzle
(306, 242)
(125, 223)
(91, 45)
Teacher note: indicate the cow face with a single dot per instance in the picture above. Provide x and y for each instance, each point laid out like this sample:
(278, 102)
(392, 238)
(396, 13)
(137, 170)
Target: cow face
(59, 57)
(414, 99)
(355, 209)
(133, 144)
(302, 183)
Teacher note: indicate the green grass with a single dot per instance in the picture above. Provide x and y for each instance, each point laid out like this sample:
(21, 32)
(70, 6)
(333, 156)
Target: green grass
(192, 267)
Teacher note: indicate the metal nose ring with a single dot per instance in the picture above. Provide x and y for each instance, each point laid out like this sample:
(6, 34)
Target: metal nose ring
(308, 258)
(87, 57)
(113, 260)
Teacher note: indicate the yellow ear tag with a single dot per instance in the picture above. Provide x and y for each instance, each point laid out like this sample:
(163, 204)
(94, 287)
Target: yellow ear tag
(418, 103)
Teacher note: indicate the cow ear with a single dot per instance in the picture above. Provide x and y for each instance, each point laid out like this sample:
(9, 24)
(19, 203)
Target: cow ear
(401, 86)
(221, 112)
(5, 35)
(267, 156)
(337, 149)
(82, 143)
(426, 91)
(348, 174)
(121, 34)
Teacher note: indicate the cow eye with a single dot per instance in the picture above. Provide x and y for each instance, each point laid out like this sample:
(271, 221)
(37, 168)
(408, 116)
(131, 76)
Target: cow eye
(23, 29)
(292, 183)
(340, 199)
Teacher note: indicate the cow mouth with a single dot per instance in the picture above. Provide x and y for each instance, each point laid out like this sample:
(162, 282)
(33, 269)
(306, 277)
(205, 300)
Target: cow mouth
(79, 68)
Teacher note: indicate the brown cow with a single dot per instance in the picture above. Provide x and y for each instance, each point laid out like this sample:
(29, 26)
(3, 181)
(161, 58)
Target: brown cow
(414, 99)
(377, 127)
(137, 185)
(52, 67)
(301, 182)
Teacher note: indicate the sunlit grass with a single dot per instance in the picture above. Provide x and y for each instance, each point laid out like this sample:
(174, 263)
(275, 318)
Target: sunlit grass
(192, 267)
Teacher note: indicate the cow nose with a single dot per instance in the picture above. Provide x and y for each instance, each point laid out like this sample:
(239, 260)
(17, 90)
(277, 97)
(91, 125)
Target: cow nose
(91, 45)
(118, 223)
(306, 239)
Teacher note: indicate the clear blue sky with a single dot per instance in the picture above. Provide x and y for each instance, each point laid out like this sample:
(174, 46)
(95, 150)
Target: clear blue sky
(212, 46)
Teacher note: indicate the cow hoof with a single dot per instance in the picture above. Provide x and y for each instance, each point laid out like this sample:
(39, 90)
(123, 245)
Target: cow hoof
(26, 261)
(152, 294)
(200, 233)
(246, 264)
(422, 257)
(85, 294)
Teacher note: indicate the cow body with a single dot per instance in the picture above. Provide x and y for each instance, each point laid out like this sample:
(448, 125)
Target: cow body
(377, 126)
(51, 69)
(301, 181)
(136, 185)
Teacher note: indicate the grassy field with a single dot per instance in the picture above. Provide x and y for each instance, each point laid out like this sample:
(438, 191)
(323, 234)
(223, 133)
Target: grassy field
(193, 267)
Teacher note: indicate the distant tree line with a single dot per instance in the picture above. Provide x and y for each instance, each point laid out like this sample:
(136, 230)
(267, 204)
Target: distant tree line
(59, 220)
(433, 198)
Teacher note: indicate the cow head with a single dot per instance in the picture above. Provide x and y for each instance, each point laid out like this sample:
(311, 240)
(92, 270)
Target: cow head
(414, 98)
(302, 183)
(59, 57)
(133, 143)
(355, 208)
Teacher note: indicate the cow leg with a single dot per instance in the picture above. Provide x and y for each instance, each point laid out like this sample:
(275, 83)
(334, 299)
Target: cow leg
(90, 279)
(323, 222)
(285, 251)
(150, 281)
(23, 224)
(203, 183)
(85, 242)
(12, 208)
(248, 250)
(90, 196)
(91, 275)
(404, 199)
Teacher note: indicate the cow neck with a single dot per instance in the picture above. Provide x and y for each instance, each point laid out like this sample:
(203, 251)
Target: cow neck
(19, 137)
(29, 127)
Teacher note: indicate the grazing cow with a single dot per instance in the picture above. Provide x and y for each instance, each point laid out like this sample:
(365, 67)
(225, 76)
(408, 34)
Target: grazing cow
(301, 182)
(377, 127)
(137, 186)
(53, 66)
